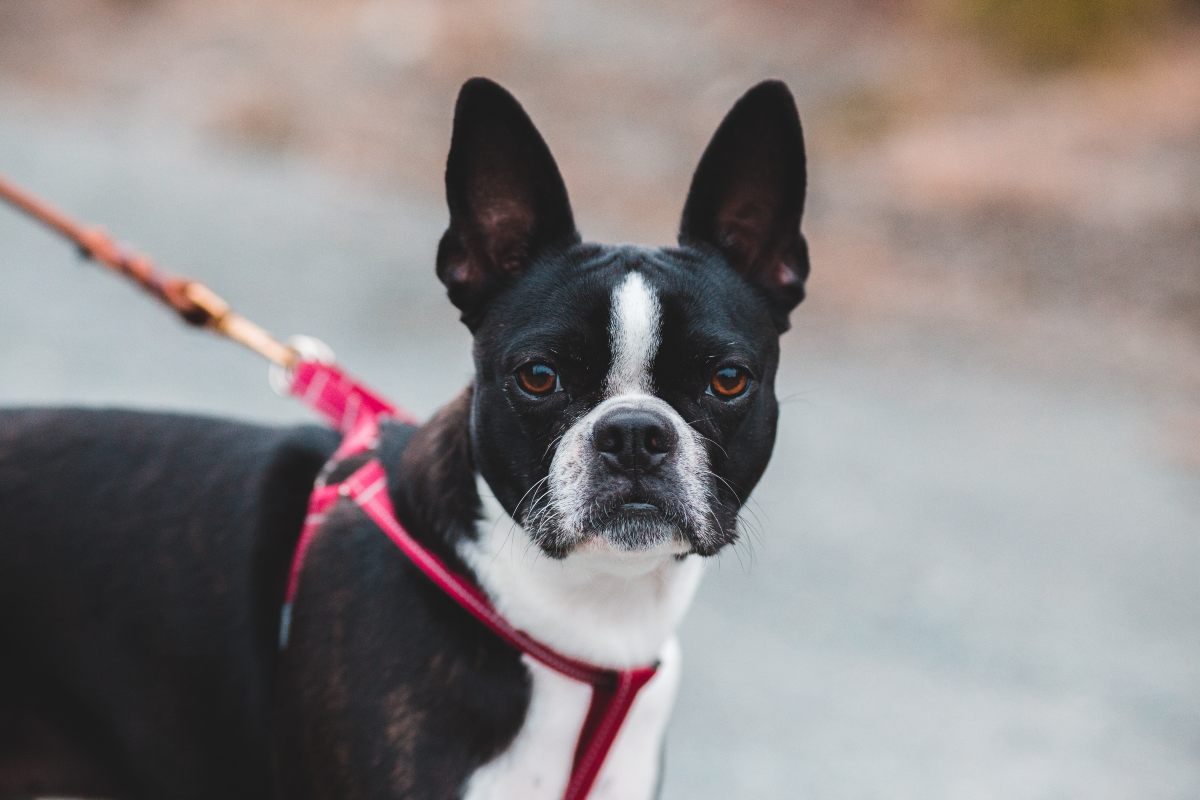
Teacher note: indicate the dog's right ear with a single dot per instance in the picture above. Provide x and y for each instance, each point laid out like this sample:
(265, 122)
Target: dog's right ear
(507, 199)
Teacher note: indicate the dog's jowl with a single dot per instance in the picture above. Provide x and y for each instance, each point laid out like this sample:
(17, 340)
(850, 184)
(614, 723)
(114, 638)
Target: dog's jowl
(622, 410)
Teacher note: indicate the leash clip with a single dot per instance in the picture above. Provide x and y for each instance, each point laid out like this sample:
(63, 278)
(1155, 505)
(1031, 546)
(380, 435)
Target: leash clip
(306, 348)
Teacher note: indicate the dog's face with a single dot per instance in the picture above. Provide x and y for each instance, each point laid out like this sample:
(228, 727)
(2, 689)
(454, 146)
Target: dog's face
(624, 396)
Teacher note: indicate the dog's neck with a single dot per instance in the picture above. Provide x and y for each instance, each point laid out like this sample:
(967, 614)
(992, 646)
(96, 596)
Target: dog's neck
(615, 609)
(610, 608)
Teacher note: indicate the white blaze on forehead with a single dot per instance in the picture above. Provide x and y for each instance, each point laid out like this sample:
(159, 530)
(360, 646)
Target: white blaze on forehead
(634, 333)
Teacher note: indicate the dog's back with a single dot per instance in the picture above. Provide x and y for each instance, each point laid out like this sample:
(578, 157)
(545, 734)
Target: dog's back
(142, 563)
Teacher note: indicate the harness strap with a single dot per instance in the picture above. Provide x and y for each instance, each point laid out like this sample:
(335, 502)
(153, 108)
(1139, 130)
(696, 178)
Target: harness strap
(356, 411)
(606, 712)
(339, 398)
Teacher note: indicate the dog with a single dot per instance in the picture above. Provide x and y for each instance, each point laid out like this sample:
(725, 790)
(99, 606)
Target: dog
(621, 411)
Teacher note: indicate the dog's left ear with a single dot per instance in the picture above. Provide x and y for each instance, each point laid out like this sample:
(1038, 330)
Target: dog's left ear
(748, 194)
(507, 199)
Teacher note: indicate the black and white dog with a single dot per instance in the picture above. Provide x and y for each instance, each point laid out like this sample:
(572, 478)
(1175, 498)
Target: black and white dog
(622, 409)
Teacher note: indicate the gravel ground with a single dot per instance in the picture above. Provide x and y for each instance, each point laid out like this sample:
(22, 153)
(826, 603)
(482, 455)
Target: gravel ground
(969, 576)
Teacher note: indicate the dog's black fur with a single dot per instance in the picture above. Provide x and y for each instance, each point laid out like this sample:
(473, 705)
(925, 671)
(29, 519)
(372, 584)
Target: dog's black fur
(141, 598)
(143, 557)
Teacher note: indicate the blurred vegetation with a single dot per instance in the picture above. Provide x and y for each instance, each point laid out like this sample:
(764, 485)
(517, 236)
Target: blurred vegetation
(1053, 34)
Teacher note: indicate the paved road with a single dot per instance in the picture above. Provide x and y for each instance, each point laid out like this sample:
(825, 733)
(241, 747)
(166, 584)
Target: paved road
(965, 581)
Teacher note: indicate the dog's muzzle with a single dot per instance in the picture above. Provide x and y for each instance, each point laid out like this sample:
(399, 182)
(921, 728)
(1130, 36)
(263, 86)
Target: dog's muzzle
(632, 473)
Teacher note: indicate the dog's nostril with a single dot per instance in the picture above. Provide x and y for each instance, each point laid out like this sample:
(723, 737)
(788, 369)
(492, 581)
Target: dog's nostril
(658, 439)
(608, 439)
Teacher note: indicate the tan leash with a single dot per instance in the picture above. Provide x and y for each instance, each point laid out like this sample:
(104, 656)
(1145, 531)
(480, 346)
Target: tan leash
(194, 302)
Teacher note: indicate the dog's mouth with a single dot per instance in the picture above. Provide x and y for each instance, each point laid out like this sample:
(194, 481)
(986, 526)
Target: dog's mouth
(641, 524)
(626, 523)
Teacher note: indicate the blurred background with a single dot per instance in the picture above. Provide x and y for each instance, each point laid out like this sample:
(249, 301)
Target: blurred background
(973, 569)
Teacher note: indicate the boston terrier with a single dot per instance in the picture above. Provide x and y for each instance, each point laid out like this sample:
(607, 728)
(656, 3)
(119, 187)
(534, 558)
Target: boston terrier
(622, 410)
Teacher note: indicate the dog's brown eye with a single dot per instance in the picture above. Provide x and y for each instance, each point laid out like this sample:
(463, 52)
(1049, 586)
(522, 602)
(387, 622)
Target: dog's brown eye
(729, 382)
(538, 379)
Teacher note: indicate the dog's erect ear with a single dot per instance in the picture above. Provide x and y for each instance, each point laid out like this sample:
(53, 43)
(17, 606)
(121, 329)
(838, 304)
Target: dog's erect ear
(507, 200)
(748, 194)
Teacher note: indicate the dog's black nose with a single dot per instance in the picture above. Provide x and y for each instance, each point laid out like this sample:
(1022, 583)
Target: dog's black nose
(633, 440)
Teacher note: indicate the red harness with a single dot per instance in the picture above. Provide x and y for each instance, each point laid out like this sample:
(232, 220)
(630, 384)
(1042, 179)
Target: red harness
(356, 412)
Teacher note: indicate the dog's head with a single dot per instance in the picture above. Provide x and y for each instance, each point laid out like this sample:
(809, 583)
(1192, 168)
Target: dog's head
(624, 396)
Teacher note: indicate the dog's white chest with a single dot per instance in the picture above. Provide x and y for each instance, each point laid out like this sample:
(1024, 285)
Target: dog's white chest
(619, 610)
(538, 763)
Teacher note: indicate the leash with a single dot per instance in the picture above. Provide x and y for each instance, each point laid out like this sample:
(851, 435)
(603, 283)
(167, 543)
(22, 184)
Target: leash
(304, 371)
(192, 301)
